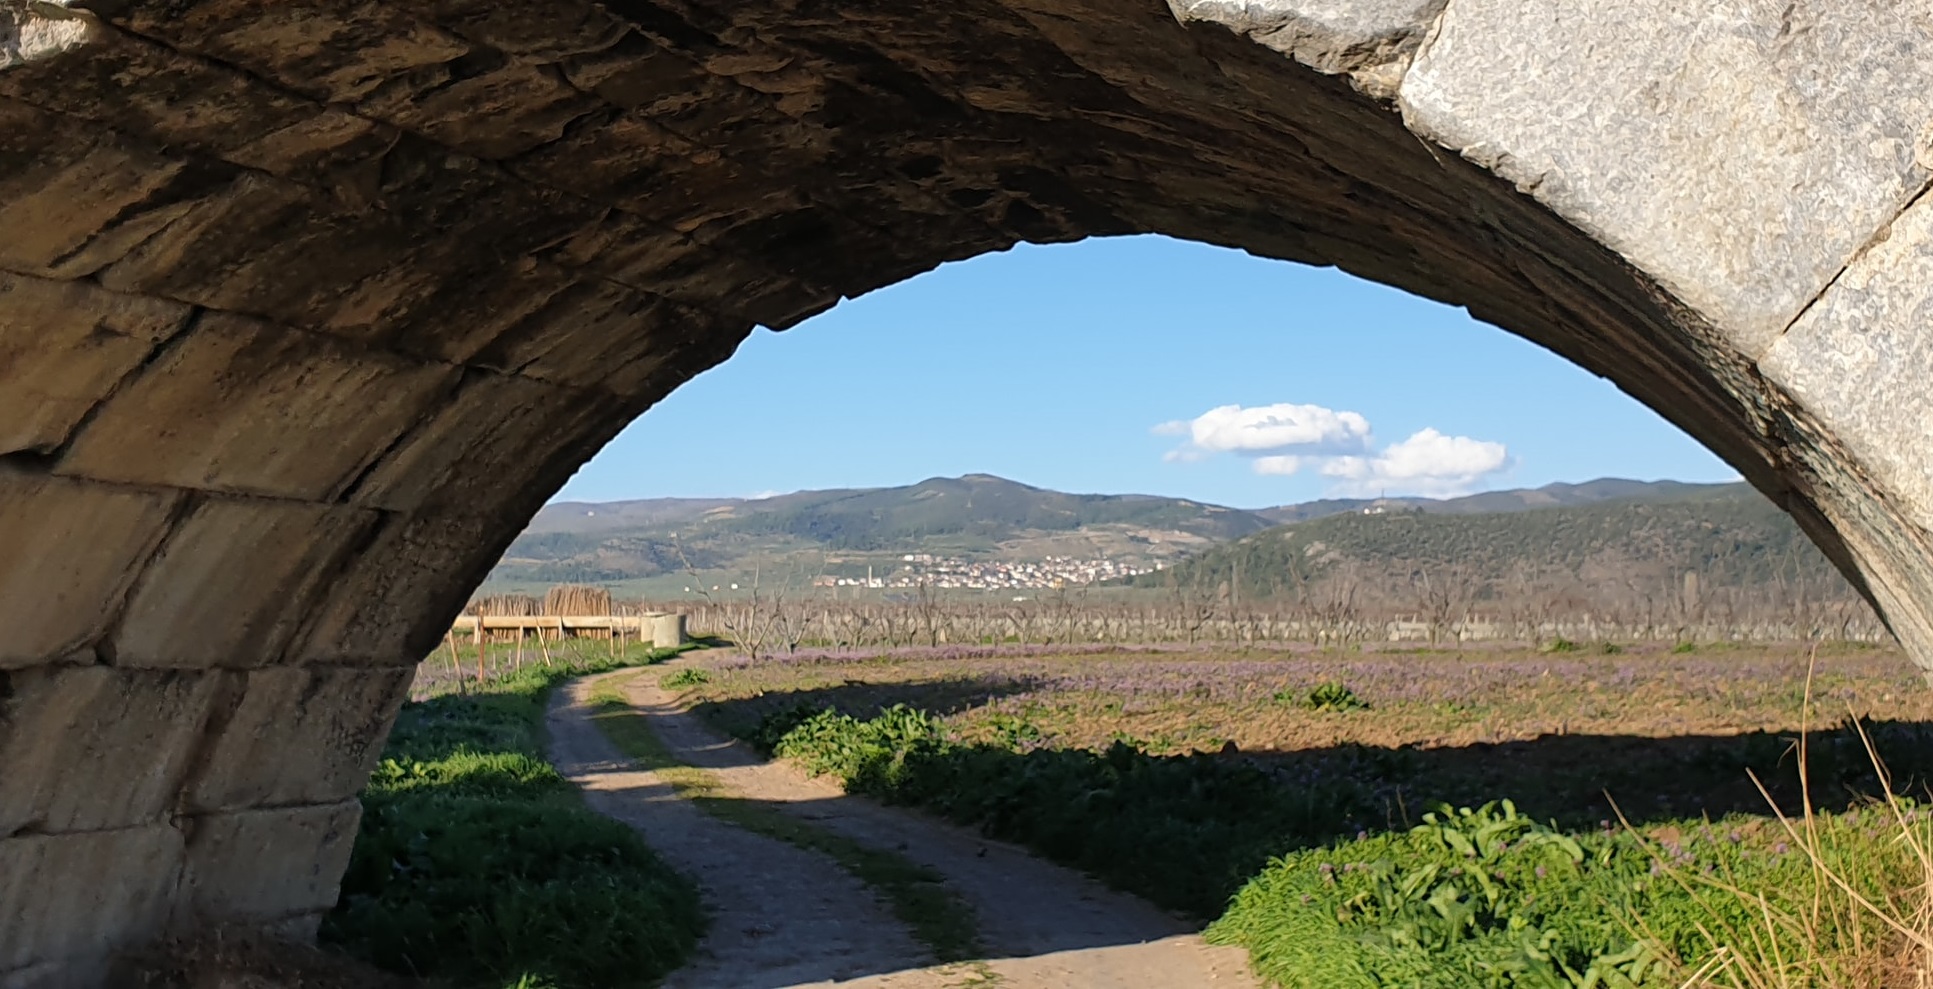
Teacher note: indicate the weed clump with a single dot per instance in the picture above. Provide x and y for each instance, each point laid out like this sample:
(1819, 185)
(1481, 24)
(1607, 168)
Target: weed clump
(1484, 897)
(1330, 696)
(1334, 696)
(689, 677)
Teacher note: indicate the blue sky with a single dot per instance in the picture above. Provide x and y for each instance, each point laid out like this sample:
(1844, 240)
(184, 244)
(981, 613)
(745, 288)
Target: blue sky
(1147, 365)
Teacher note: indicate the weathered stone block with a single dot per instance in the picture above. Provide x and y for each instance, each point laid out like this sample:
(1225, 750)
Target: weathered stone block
(72, 201)
(334, 149)
(481, 432)
(1738, 151)
(636, 71)
(42, 34)
(63, 347)
(71, 550)
(233, 581)
(91, 748)
(138, 87)
(623, 159)
(299, 735)
(80, 896)
(391, 605)
(216, 254)
(255, 408)
(1857, 361)
(491, 112)
(336, 51)
(264, 865)
(542, 30)
(1330, 35)
(588, 336)
(459, 314)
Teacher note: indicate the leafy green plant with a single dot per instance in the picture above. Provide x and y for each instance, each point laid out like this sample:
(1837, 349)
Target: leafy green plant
(1683, 648)
(1561, 644)
(1012, 730)
(1490, 898)
(865, 753)
(1334, 696)
(690, 676)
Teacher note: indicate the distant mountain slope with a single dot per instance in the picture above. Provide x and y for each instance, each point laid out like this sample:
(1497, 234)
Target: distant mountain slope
(1728, 534)
(978, 507)
(1515, 500)
(982, 516)
(614, 516)
(975, 515)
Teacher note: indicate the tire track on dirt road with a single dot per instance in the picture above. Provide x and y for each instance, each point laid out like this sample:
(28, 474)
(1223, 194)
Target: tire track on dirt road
(1042, 926)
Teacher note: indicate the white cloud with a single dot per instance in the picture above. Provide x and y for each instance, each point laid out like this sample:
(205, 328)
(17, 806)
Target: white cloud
(1285, 439)
(1272, 429)
(1428, 463)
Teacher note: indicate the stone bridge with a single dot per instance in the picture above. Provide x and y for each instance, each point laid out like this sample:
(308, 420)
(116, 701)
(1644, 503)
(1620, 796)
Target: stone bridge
(306, 306)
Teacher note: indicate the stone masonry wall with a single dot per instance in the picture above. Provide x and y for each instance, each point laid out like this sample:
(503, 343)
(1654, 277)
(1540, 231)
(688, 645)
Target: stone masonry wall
(306, 307)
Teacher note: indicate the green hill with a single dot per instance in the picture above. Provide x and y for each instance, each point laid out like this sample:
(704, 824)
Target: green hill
(846, 530)
(1727, 534)
(975, 509)
(1603, 530)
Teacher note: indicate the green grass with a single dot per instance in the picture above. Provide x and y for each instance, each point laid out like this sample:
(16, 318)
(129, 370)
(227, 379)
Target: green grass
(478, 865)
(1484, 897)
(936, 917)
(1181, 831)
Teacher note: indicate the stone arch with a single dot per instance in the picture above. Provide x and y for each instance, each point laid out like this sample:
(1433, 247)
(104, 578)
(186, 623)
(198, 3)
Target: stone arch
(305, 308)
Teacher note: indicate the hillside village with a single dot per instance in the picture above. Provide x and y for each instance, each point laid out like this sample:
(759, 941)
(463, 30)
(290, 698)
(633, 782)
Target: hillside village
(930, 570)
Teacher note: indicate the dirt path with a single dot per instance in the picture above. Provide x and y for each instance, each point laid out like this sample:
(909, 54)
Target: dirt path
(1044, 927)
(780, 916)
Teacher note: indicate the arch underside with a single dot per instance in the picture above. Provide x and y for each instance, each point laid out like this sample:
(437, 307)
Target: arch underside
(305, 309)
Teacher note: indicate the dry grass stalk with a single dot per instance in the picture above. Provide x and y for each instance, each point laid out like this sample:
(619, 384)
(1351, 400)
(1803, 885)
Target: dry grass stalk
(577, 599)
(1838, 950)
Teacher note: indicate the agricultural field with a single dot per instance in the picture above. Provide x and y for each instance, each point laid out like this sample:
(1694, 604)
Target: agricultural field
(1579, 814)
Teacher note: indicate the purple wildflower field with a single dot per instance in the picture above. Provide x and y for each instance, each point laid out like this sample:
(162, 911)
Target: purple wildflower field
(1662, 731)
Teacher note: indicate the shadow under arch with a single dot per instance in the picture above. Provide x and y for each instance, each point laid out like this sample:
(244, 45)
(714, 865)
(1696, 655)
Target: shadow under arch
(311, 309)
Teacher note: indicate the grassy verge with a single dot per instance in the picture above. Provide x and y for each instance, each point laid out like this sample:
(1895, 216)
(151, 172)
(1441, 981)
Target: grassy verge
(1484, 897)
(936, 917)
(1182, 831)
(477, 864)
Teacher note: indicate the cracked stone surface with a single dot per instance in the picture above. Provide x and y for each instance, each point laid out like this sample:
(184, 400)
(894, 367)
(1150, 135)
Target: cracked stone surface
(305, 308)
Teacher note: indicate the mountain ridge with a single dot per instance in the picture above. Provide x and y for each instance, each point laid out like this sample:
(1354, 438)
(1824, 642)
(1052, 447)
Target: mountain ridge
(851, 531)
(1728, 535)
(563, 516)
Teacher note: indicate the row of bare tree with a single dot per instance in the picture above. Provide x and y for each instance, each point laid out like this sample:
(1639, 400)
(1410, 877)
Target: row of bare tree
(1349, 607)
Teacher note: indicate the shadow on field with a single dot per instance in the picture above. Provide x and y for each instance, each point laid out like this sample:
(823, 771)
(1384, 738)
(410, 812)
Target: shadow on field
(1187, 830)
